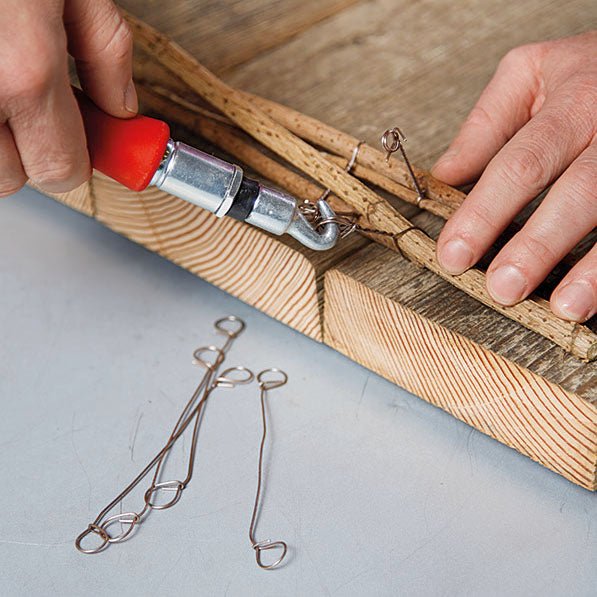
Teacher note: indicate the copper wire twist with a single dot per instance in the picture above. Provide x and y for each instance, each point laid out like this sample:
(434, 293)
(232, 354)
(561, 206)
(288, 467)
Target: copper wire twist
(347, 221)
(392, 141)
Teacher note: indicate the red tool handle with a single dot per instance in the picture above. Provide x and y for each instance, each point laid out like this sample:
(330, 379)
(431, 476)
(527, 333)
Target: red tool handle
(127, 150)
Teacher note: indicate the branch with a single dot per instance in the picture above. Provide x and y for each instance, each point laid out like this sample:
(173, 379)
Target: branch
(533, 314)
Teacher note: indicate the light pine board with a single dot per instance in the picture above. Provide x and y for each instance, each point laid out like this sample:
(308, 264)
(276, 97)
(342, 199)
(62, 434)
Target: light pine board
(260, 269)
(419, 332)
(364, 66)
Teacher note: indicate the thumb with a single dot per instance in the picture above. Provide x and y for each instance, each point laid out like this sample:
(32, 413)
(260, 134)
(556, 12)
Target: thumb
(101, 43)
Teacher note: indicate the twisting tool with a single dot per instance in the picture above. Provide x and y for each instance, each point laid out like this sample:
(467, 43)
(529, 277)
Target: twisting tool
(139, 152)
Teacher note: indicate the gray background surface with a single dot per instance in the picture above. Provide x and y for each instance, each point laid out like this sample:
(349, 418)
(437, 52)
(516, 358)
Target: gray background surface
(377, 492)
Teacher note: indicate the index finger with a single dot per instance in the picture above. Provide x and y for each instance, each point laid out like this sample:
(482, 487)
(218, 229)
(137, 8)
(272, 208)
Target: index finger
(526, 165)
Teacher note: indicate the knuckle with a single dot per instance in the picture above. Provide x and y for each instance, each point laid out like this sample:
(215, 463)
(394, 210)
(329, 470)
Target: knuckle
(33, 77)
(33, 81)
(479, 117)
(57, 172)
(118, 42)
(121, 42)
(524, 56)
(511, 58)
(482, 216)
(524, 167)
(538, 248)
(581, 193)
(11, 186)
(515, 56)
(583, 91)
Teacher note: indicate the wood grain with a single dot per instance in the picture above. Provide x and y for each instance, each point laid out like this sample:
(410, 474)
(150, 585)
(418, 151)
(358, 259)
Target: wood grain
(391, 317)
(374, 65)
(226, 34)
(420, 65)
(273, 276)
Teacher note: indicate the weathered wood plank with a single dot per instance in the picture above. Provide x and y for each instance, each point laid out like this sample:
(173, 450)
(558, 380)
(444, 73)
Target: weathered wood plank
(420, 65)
(224, 34)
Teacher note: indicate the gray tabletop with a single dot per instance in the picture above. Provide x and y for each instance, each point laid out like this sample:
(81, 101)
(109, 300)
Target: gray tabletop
(376, 492)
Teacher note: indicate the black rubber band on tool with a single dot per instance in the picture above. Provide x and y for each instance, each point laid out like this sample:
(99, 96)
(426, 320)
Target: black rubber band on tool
(243, 203)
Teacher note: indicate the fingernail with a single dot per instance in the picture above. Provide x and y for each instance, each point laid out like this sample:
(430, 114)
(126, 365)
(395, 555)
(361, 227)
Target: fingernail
(575, 301)
(131, 102)
(507, 285)
(456, 256)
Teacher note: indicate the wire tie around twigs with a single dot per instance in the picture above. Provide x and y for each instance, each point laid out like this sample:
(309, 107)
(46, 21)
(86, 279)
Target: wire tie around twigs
(394, 236)
(348, 168)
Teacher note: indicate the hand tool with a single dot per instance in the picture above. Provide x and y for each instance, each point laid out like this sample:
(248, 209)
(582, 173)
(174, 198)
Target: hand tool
(138, 152)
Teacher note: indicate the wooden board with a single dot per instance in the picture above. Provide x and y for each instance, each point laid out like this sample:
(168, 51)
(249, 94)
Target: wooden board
(420, 65)
(275, 276)
(226, 34)
(419, 332)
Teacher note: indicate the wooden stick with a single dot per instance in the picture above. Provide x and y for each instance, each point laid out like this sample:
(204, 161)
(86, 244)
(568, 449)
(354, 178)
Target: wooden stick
(237, 144)
(438, 208)
(443, 210)
(534, 314)
(225, 134)
(340, 143)
(234, 143)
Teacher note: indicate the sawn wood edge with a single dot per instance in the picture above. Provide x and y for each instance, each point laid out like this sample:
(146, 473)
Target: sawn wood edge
(507, 401)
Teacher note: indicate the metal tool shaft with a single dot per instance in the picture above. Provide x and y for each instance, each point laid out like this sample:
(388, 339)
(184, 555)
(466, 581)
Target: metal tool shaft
(221, 188)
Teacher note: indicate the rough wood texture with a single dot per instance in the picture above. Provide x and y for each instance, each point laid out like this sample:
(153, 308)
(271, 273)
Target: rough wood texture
(375, 212)
(421, 65)
(374, 65)
(226, 34)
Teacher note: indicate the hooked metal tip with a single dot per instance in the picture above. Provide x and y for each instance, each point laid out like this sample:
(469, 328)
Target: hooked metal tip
(321, 239)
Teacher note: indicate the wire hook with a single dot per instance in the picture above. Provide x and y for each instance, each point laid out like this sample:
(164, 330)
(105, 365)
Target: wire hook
(392, 141)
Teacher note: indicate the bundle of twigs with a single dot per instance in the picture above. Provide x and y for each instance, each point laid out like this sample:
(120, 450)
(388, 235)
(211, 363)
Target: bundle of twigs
(293, 136)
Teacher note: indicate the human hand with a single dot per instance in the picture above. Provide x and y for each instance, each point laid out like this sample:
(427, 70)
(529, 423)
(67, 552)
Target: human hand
(41, 132)
(535, 124)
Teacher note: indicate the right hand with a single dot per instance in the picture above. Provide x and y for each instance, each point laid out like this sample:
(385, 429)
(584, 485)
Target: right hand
(41, 131)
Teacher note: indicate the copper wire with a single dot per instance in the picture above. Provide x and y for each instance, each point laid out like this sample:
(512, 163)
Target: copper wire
(231, 327)
(392, 141)
(265, 385)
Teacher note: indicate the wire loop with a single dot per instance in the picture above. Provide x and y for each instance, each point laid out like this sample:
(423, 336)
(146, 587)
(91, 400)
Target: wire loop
(270, 384)
(173, 485)
(96, 529)
(265, 546)
(234, 376)
(199, 358)
(231, 326)
(130, 519)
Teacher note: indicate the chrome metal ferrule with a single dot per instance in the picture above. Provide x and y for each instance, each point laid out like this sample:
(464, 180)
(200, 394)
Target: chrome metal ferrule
(198, 177)
(278, 213)
(273, 211)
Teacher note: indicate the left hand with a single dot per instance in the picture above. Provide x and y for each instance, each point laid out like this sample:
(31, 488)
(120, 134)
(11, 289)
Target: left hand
(535, 124)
